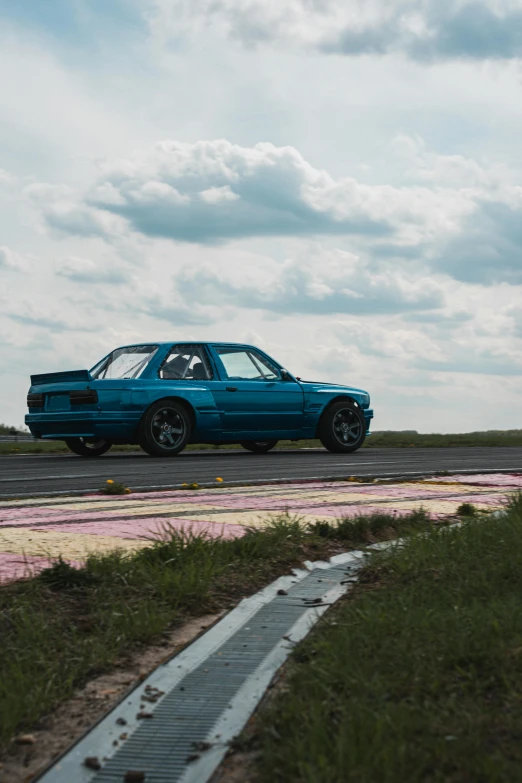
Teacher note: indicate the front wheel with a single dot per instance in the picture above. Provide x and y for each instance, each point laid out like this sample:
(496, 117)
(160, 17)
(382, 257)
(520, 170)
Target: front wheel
(88, 447)
(342, 428)
(164, 429)
(258, 446)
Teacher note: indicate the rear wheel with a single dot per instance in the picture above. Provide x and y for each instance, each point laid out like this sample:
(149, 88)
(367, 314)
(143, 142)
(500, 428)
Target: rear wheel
(165, 429)
(258, 446)
(88, 447)
(342, 428)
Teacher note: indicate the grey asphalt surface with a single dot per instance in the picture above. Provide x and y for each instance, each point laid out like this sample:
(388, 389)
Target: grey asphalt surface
(27, 475)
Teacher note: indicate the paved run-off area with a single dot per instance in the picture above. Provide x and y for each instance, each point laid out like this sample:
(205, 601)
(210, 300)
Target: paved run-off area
(35, 531)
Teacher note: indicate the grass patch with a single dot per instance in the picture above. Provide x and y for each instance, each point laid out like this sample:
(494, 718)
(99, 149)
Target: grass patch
(368, 529)
(418, 440)
(417, 675)
(392, 440)
(68, 624)
(114, 488)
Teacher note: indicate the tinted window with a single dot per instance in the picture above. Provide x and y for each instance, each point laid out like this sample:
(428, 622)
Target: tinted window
(186, 362)
(247, 364)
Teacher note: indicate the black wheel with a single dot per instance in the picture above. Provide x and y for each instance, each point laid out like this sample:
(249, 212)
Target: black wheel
(88, 447)
(164, 429)
(258, 446)
(342, 428)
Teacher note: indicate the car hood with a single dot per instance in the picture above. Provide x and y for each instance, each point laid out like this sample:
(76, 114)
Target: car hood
(321, 386)
(325, 384)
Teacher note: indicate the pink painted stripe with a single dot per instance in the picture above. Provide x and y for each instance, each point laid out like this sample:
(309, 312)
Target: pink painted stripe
(311, 506)
(347, 512)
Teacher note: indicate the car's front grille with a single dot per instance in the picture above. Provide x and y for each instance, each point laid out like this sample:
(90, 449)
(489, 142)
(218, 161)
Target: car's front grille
(83, 397)
(35, 400)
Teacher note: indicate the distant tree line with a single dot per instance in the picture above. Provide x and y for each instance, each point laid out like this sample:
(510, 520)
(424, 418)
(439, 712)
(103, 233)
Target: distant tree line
(6, 429)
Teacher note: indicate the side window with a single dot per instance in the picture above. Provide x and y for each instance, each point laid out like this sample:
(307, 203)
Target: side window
(186, 362)
(247, 365)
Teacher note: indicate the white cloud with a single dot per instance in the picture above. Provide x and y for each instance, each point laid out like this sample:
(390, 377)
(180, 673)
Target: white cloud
(62, 210)
(216, 195)
(425, 31)
(463, 218)
(9, 259)
(318, 282)
(6, 178)
(28, 314)
(213, 191)
(492, 181)
(83, 270)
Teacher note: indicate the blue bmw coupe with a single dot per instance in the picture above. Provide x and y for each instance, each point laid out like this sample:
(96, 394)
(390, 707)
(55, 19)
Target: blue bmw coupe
(165, 395)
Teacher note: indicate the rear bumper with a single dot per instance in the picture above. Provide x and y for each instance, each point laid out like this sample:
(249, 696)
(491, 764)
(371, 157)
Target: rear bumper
(368, 416)
(75, 424)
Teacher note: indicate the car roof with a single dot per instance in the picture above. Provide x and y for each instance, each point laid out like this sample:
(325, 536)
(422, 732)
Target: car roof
(182, 342)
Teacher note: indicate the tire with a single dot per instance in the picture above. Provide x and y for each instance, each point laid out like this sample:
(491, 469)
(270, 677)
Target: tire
(165, 429)
(88, 447)
(342, 428)
(258, 446)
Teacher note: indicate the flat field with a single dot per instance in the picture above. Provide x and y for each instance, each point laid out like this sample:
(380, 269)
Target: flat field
(391, 440)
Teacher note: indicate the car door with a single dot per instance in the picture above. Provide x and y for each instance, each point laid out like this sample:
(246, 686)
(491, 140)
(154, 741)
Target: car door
(254, 398)
(187, 371)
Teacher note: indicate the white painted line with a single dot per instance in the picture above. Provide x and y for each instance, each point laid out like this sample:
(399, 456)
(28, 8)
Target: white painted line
(46, 478)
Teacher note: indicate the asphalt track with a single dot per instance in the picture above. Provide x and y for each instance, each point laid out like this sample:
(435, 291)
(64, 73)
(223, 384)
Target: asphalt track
(27, 475)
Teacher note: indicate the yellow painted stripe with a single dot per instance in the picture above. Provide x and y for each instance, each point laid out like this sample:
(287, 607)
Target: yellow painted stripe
(139, 509)
(257, 518)
(50, 543)
(435, 506)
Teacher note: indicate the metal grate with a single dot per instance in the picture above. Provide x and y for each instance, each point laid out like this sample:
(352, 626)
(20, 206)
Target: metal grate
(162, 746)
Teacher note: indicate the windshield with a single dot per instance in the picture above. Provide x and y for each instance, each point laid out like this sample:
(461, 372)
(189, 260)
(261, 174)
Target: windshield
(126, 362)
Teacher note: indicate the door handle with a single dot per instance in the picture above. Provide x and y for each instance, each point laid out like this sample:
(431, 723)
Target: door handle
(231, 388)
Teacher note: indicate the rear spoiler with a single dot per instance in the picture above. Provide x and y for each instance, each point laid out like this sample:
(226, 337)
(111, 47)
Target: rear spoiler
(61, 377)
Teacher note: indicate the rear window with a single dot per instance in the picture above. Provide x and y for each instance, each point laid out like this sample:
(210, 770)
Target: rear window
(126, 362)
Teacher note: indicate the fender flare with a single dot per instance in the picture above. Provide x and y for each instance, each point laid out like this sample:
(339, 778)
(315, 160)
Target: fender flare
(172, 398)
(329, 404)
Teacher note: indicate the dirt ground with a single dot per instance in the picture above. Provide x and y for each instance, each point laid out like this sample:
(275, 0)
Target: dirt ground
(29, 754)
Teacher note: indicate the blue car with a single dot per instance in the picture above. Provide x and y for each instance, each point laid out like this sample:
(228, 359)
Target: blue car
(165, 395)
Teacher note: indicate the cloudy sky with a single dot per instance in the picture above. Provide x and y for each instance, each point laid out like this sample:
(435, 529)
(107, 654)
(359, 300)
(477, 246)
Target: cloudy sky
(336, 181)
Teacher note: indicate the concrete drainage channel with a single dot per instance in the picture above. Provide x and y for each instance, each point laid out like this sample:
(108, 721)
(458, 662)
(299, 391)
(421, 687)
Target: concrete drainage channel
(176, 725)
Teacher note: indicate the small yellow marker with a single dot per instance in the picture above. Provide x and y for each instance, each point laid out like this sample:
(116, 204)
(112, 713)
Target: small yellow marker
(110, 481)
(219, 479)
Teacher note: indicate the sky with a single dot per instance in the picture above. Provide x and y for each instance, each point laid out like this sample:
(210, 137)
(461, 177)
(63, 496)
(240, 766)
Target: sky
(336, 181)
